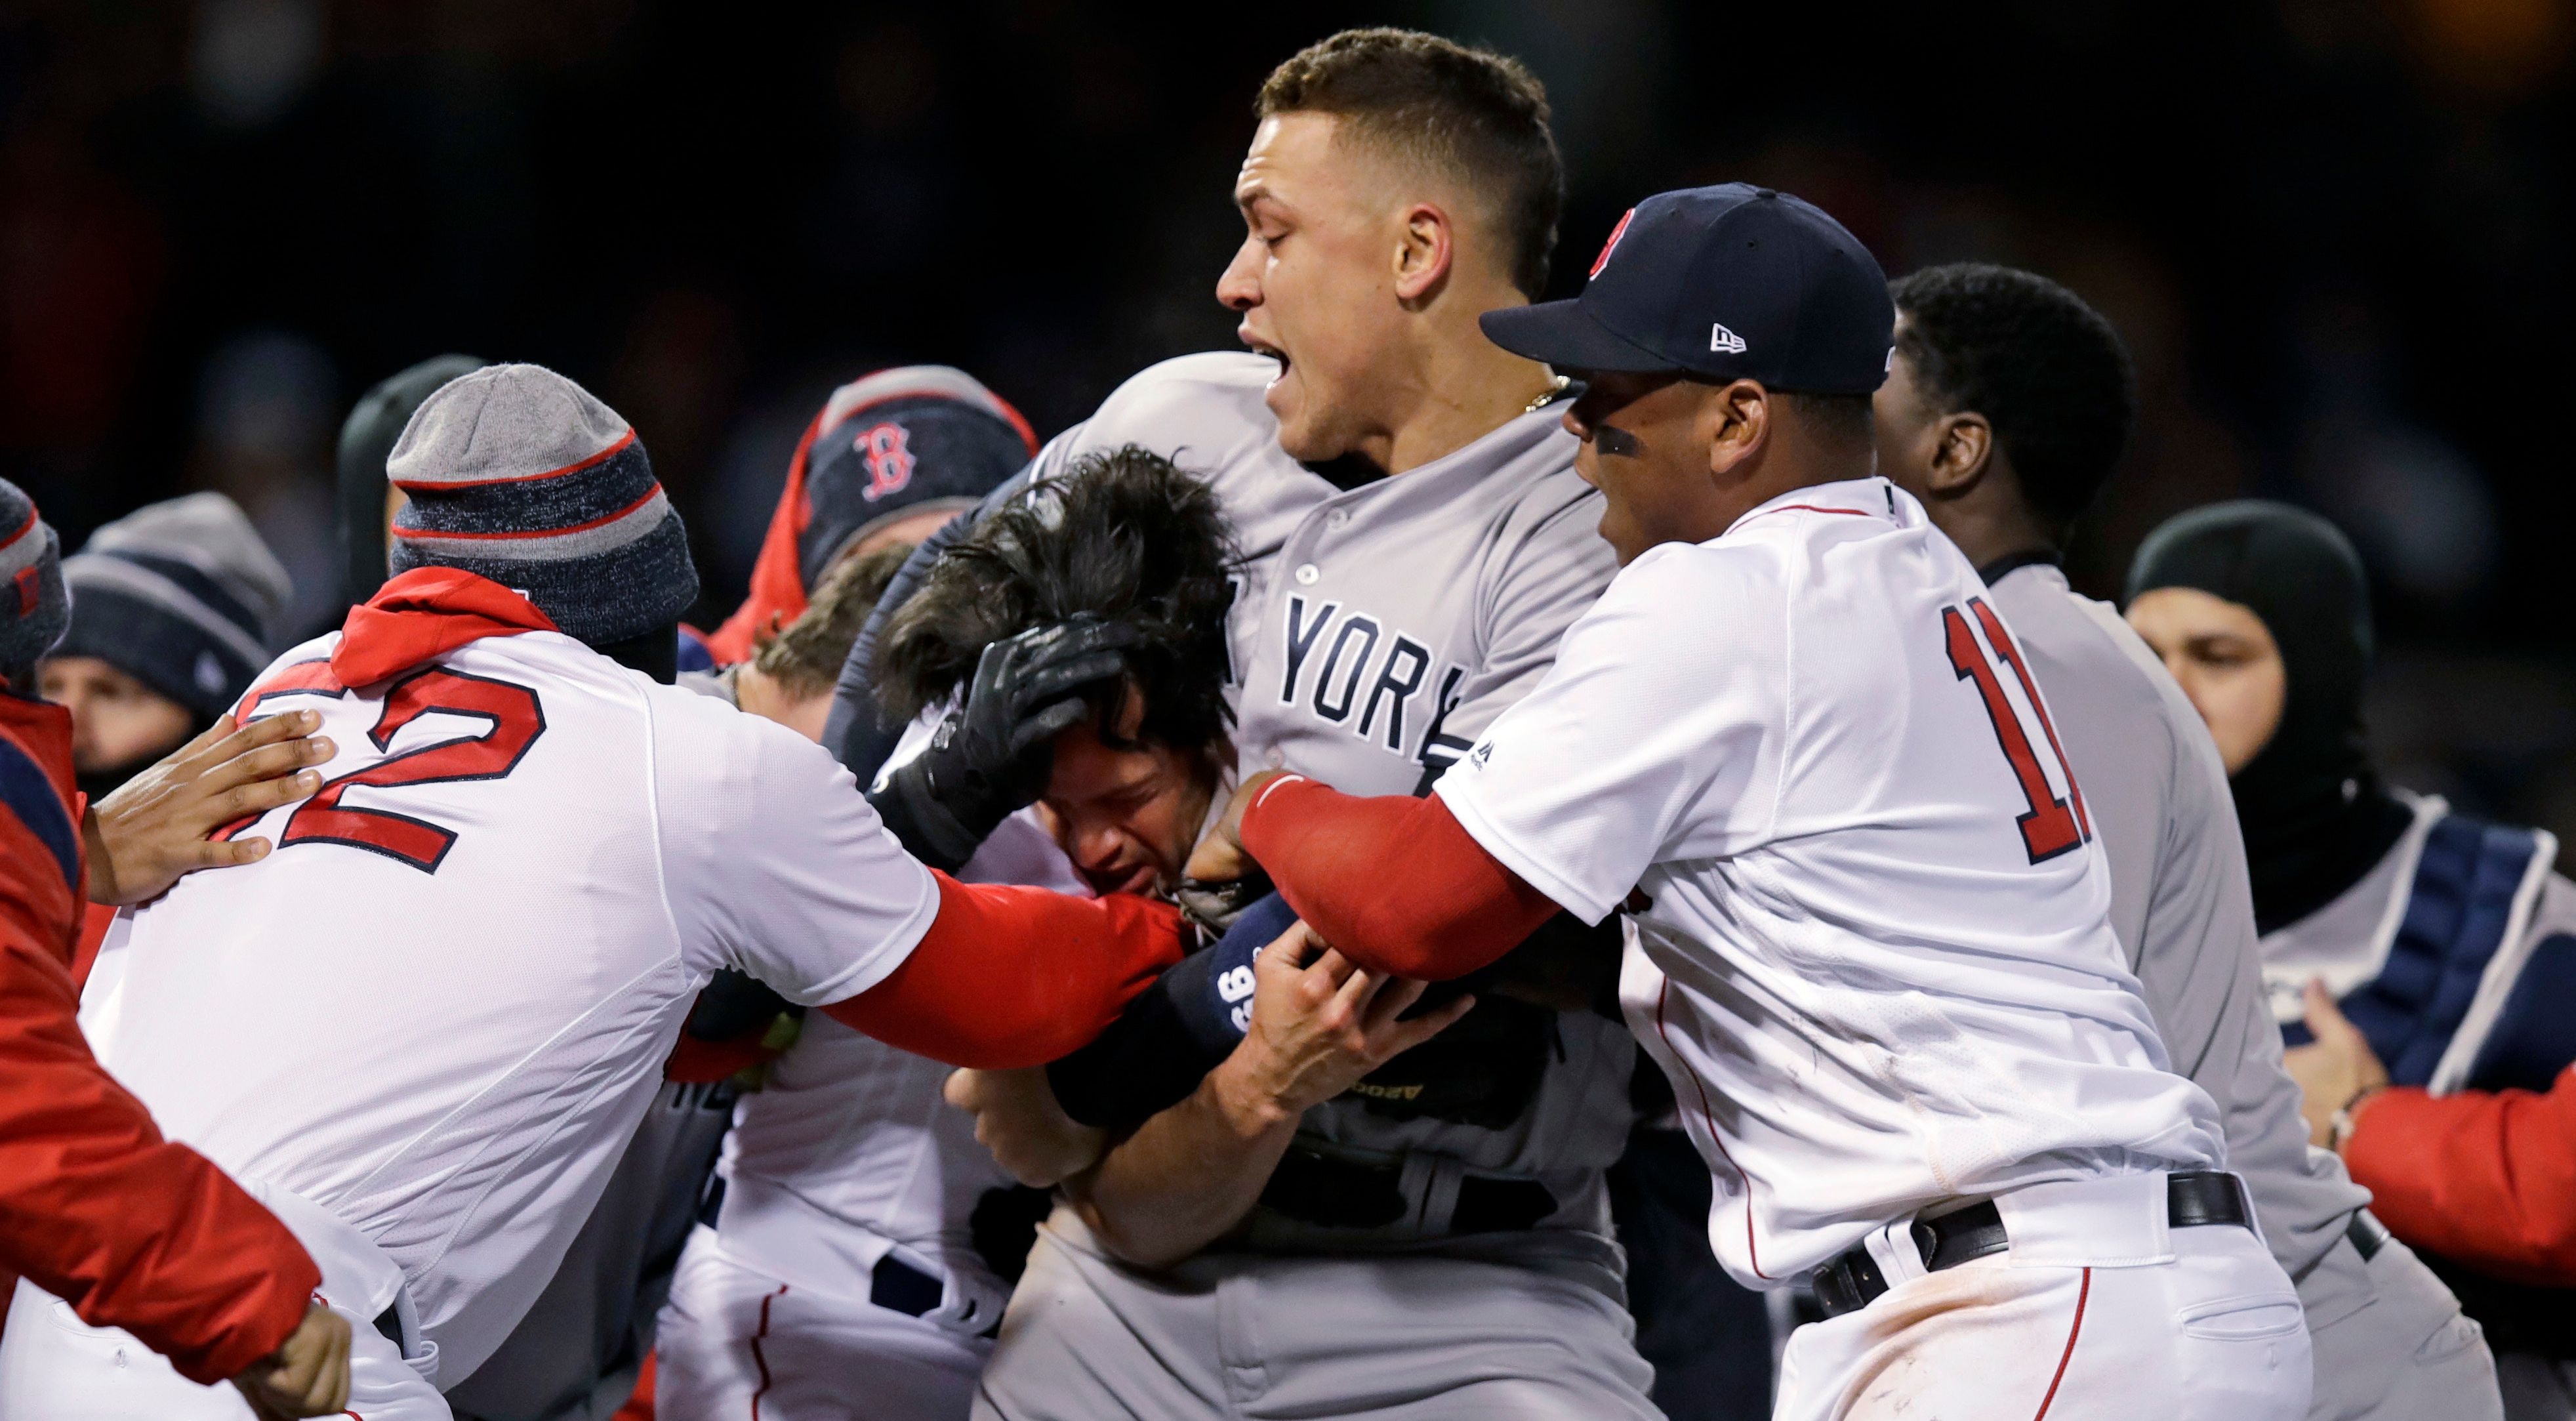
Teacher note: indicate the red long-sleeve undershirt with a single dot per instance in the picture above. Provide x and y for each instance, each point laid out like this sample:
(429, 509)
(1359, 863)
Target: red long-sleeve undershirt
(2487, 1178)
(1395, 883)
(1010, 977)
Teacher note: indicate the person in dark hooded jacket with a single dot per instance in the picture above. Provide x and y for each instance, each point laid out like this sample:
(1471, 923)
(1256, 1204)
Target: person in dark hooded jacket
(2441, 945)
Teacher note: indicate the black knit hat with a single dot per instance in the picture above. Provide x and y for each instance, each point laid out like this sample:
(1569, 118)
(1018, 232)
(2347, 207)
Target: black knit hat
(519, 475)
(366, 441)
(181, 596)
(34, 607)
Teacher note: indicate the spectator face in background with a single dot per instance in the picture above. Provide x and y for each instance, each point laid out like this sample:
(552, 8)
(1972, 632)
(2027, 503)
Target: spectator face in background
(2226, 660)
(117, 721)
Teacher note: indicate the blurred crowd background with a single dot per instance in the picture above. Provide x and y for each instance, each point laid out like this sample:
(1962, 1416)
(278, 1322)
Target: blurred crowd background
(2335, 233)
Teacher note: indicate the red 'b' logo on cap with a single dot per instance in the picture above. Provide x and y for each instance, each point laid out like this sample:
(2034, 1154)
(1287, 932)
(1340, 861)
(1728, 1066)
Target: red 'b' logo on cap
(1610, 246)
(888, 448)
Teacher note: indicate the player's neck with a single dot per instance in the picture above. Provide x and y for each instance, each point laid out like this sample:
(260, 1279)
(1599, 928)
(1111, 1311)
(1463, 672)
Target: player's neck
(1463, 387)
(1990, 529)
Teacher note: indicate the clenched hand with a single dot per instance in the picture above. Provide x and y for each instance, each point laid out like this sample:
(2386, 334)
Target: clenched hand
(308, 1374)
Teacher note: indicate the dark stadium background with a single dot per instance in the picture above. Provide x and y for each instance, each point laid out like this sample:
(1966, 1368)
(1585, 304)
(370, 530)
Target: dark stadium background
(2335, 232)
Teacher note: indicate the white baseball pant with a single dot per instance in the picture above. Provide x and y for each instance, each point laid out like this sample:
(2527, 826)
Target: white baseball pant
(2097, 1312)
(737, 1344)
(58, 1367)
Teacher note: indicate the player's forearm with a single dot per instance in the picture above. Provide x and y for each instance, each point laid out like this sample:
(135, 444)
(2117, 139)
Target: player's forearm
(1010, 977)
(2487, 1179)
(1190, 1175)
(133, 1231)
(1394, 882)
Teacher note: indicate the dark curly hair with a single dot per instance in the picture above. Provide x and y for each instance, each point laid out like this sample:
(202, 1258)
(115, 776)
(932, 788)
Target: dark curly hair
(2045, 369)
(1124, 535)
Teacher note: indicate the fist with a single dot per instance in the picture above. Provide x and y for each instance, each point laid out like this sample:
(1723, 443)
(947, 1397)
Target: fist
(1018, 1119)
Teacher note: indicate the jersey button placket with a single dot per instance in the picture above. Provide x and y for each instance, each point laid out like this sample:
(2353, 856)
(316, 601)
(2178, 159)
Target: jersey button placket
(1308, 574)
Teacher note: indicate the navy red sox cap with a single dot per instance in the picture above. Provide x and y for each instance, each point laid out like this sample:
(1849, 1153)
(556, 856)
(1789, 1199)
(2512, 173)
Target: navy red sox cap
(1732, 282)
(899, 442)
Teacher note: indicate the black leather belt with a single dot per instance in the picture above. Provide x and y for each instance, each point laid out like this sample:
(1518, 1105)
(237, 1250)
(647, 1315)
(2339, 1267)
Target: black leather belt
(2367, 1233)
(2193, 1199)
(1341, 1194)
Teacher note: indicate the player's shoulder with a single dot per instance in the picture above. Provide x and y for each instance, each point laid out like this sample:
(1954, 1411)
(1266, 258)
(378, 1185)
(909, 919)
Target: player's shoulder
(1211, 401)
(2090, 663)
(1699, 594)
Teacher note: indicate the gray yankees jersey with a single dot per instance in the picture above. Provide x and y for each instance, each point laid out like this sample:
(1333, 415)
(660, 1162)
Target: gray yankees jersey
(1377, 631)
(2181, 907)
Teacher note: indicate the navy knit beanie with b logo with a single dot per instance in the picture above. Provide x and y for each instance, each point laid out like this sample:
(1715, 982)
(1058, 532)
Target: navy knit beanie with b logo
(519, 475)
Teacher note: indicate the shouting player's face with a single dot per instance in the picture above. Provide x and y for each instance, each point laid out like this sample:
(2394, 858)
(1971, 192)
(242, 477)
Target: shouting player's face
(2225, 659)
(1129, 817)
(1315, 281)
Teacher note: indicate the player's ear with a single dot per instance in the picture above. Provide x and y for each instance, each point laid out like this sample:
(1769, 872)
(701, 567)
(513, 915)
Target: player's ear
(1963, 449)
(1425, 246)
(1736, 418)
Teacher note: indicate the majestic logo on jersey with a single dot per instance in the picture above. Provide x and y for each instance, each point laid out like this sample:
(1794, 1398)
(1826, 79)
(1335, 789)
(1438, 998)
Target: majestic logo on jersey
(1611, 245)
(888, 450)
(1720, 338)
(1367, 677)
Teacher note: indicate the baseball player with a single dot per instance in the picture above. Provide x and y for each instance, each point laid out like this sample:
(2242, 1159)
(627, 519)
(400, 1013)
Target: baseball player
(1870, 941)
(1416, 541)
(2004, 410)
(890, 458)
(852, 1233)
(110, 1222)
(422, 1029)
(886, 453)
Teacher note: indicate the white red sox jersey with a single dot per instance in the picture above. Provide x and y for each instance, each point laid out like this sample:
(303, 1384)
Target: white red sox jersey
(1872, 947)
(439, 1007)
(1377, 631)
(850, 1152)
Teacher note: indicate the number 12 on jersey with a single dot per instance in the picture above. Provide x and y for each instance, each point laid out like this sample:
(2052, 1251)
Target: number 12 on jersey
(2051, 827)
(511, 711)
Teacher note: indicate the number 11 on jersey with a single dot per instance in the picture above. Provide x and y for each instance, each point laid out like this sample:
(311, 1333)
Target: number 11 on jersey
(2051, 827)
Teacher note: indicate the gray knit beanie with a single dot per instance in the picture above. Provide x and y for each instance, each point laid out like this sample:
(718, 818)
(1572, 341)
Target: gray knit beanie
(519, 475)
(182, 596)
(34, 606)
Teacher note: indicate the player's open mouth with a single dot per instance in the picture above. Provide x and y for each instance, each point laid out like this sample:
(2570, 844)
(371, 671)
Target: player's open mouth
(1262, 347)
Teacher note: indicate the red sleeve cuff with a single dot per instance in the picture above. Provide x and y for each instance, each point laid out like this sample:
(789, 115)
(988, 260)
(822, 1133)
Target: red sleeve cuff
(1395, 883)
(1009, 977)
(2488, 1179)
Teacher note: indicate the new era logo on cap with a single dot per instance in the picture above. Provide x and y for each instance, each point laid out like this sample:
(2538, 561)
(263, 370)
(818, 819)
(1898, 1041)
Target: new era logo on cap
(1720, 338)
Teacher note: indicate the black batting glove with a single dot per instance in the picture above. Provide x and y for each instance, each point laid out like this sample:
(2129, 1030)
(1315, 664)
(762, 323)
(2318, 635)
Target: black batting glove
(991, 757)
